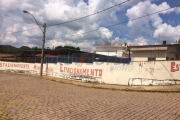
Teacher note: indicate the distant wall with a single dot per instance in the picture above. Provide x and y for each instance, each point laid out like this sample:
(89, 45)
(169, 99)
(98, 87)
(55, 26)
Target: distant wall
(135, 73)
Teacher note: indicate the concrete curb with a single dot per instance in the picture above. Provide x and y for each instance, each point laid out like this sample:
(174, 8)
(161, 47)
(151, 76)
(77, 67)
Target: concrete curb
(163, 89)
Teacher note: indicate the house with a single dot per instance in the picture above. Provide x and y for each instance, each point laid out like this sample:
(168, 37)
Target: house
(7, 57)
(116, 51)
(155, 52)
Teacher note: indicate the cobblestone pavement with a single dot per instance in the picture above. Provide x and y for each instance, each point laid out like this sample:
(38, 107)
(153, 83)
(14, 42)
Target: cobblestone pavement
(30, 98)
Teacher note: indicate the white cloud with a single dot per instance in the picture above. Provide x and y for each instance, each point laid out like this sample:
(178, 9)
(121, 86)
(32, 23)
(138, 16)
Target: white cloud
(116, 41)
(7, 4)
(167, 32)
(54, 43)
(15, 28)
(31, 45)
(59, 11)
(9, 38)
(142, 27)
(145, 8)
(178, 10)
(105, 33)
(6, 39)
(33, 32)
(66, 11)
(140, 41)
(137, 41)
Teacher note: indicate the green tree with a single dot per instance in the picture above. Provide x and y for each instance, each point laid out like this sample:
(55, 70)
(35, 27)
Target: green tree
(7, 49)
(35, 48)
(66, 48)
(58, 47)
(69, 47)
(77, 48)
(24, 48)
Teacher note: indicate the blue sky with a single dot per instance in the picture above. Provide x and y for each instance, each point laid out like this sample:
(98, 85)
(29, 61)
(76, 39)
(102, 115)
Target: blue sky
(149, 30)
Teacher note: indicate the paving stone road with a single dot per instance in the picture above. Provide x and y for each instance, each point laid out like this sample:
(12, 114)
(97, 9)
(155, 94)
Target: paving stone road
(31, 98)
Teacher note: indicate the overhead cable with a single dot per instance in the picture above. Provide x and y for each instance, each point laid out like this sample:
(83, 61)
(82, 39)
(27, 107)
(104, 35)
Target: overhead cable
(89, 14)
(118, 23)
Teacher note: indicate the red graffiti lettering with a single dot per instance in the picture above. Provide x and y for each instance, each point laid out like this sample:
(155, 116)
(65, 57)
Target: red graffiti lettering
(84, 71)
(49, 69)
(61, 68)
(14, 65)
(174, 67)
(36, 67)
(92, 72)
(81, 71)
(96, 72)
(100, 73)
(75, 71)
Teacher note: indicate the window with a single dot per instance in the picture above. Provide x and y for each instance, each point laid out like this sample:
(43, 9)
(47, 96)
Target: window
(151, 58)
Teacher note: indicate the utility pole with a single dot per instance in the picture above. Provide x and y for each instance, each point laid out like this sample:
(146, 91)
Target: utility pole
(159, 44)
(42, 54)
(44, 36)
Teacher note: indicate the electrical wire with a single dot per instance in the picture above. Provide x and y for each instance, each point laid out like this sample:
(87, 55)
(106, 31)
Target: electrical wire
(15, 20)
(19, 31)
(16, 31)
(67, 21)
(117, 23)
(89, 15)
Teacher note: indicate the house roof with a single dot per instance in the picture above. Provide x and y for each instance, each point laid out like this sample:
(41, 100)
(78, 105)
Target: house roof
(162, 45)
(136, 46)
(6, 55)
(154, 47)
(47, 55)
(110, 46)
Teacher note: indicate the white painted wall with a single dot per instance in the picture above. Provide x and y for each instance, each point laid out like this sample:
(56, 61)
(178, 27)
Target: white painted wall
(160, 58)
(103, 53)
(117, 53)
(135, 73)
(158, 70)
(107, 53)
(137, 59)
(111, 51)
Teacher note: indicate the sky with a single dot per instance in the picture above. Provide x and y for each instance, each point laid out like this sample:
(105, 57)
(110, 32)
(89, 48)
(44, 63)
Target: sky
(124, 23)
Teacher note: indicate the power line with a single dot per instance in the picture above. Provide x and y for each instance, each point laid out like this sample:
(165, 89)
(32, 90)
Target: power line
(16, 31)
(19, 31)
(97, 29)
(64, 22)
(11, 19)
(15, 20)
(89, 15)
(118, 23)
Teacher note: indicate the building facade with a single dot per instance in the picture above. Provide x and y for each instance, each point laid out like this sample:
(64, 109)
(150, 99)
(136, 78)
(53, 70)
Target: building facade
(155, 52)
(116, 51)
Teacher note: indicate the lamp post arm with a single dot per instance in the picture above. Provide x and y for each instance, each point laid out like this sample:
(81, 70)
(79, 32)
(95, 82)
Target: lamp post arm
(36, 22)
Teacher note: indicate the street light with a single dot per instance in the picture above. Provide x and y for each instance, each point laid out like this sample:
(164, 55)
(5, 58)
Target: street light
(44, 33)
